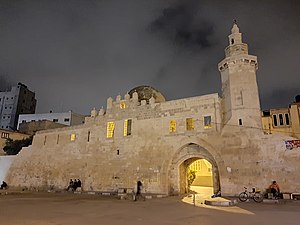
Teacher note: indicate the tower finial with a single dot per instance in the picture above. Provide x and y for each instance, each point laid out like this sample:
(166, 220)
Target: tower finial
(235, 28)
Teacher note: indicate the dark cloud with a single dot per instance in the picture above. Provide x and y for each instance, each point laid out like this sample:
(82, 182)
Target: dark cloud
(276, 97)
(75, 54)
(5, 84)
(182, 25)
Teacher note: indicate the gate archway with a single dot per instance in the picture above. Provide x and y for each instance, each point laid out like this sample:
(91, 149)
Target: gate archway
(185, 156)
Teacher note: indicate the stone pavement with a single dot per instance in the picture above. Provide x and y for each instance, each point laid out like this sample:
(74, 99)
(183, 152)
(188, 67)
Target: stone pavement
(71, 209)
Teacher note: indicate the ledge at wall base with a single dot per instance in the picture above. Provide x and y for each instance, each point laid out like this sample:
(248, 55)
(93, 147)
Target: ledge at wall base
(221, 202)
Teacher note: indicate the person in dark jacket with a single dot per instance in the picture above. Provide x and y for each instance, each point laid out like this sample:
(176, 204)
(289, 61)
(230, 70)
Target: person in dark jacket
(138, 194)
(4, 185)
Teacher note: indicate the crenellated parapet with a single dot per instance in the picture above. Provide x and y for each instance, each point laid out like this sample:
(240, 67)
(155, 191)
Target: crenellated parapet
(138, 99)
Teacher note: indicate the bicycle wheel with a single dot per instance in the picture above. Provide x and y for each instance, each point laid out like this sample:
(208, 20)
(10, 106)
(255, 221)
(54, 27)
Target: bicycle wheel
(243, 196)
(258, 197)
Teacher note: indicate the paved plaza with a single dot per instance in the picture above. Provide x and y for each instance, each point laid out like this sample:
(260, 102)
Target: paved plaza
(75, 209)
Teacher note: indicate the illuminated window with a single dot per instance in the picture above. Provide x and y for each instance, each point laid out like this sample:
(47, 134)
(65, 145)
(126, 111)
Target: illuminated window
(127, 127)
(73, 137)
(5, 135)
(122, 105)
(207, 122)
(172, 126)
(189, 124)
(110, 129)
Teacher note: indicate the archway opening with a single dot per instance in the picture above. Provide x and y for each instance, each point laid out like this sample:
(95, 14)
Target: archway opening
(198, 175)
(178, 173)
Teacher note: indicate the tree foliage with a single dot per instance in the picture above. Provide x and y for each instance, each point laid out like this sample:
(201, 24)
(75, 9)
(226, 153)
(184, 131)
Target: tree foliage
(191, 176)
(13, 147)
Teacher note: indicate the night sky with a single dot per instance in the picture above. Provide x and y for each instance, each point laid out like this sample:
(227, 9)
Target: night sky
(74, 54)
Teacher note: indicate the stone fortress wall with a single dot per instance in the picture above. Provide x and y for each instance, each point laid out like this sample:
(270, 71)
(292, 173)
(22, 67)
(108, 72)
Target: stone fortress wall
(162, 139)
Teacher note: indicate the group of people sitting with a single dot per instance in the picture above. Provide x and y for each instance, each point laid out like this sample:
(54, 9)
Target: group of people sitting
(73, 185)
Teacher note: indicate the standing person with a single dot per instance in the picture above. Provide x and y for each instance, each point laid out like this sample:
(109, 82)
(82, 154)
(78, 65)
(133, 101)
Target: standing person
(138, 194)
(275, 190)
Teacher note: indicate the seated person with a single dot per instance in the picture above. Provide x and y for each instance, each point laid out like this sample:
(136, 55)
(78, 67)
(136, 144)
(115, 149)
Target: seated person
(274, 188)
(4, 185)
(79, 183)
(71, 185)
(75, 185)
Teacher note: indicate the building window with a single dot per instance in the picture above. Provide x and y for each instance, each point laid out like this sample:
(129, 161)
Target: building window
(207, 122)
(110, 129)
(281, 119)
(172, 126)
(122, 105)
(67, 119)
(5, 135)
(127, 127)
(73, 137)
(88, 137)
(55, 120)
(23, 121)
(275, 120)
(287, 119)
(189, 124)
(240, 122)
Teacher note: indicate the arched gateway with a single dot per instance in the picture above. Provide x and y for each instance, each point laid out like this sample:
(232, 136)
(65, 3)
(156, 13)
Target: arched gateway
(178, 168)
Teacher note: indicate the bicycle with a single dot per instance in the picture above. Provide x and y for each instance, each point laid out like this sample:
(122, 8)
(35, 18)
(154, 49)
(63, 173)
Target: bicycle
(255, 195)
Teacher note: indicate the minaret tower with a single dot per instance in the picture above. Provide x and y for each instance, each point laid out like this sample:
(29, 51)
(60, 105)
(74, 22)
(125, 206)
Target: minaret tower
(241, 106)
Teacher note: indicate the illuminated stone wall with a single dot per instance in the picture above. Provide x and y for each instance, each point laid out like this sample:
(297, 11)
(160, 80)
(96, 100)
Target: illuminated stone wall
(244, 157)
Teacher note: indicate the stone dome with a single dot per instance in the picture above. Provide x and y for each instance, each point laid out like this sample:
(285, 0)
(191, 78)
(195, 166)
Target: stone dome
(146, 92)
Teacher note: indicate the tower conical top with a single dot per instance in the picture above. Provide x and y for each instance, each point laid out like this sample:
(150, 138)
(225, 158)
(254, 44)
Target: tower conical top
(235, 29)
